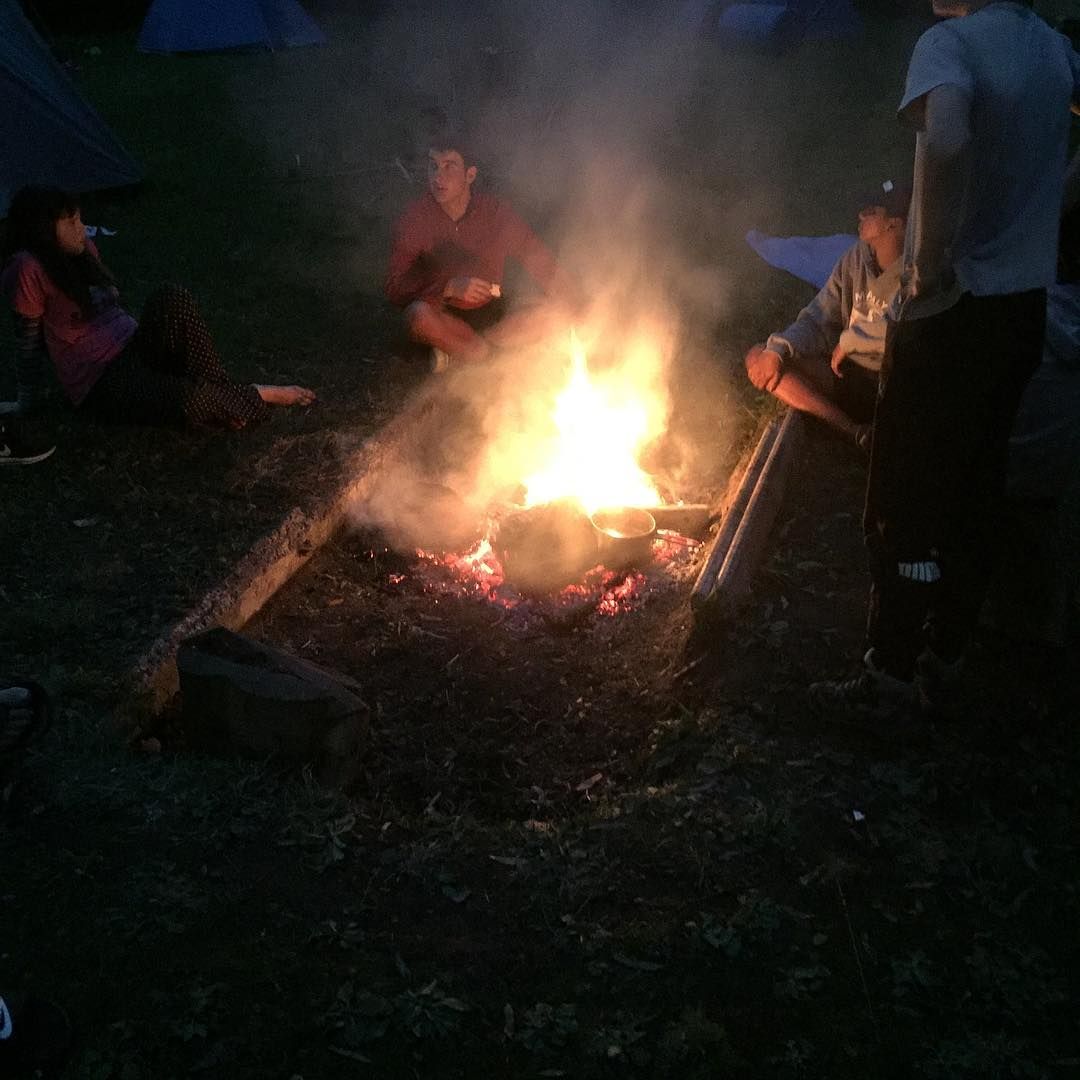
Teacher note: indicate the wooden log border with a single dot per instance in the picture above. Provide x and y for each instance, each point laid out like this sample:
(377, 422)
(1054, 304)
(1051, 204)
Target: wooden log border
(743, 538)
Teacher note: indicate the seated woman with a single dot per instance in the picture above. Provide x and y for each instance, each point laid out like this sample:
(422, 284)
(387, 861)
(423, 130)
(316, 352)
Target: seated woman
(163, 369)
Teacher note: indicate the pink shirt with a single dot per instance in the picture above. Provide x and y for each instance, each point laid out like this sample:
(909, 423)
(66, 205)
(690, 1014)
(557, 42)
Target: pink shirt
(80, 348)
(430, 248)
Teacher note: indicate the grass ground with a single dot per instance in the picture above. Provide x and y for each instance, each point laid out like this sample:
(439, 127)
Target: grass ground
(710, 906)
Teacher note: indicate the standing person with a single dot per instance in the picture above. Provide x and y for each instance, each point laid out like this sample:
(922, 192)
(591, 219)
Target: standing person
(988, 91)
(448, 259)
(162, 369)
(826, 363)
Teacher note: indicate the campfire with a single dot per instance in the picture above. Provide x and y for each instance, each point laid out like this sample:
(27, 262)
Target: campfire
(600, 425)
(584, 529)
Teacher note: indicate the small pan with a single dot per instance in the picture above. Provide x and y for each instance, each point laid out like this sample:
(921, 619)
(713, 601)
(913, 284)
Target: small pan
(624, 535)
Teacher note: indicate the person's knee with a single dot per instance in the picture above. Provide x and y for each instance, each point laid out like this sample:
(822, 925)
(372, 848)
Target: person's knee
(170, 297)
(173, 292)
(421, 320)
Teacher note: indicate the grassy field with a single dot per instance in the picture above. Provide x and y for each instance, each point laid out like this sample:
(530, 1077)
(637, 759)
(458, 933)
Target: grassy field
(711, 907)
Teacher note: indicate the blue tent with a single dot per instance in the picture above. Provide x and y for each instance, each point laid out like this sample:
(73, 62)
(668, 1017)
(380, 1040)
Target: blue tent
(777, 24)
(810, 258)
(48, 132)
(174, 26)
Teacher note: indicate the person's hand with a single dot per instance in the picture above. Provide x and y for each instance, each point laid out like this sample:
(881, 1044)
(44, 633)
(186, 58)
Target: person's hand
(836, 363)
(765, 368)
(467, 292)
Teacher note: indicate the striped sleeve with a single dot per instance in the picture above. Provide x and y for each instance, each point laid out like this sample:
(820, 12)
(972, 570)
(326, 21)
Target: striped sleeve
(29, 358)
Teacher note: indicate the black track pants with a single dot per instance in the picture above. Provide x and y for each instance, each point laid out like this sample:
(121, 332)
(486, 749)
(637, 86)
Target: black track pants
(950, 388)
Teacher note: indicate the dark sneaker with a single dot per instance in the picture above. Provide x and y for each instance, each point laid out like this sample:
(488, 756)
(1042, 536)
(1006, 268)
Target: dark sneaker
(20, 446)
(869, 694)
(35, 1037)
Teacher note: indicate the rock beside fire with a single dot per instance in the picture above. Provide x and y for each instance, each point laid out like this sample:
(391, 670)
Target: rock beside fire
(546, 547)
(241, 697)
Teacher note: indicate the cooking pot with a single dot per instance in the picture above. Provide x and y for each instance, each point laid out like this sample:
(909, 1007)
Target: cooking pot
(624, 535)
(545, 548)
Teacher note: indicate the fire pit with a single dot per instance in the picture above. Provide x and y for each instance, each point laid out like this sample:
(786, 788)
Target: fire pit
(549, 564)
(584, 530)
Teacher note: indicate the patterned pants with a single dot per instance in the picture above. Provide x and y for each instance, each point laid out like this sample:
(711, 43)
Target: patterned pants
(170, 373)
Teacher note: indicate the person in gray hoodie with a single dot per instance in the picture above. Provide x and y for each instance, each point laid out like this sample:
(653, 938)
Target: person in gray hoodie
(826, 362)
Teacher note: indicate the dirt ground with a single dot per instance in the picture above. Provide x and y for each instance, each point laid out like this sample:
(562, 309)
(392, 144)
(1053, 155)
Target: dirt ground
(602, 847)
(653, 830)
(623, 847)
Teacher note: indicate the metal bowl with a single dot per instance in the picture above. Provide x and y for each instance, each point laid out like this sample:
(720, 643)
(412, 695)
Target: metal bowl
(624, 535)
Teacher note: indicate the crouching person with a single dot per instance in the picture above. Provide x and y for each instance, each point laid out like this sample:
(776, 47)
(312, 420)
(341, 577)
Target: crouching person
(826, 363)
(448, 259)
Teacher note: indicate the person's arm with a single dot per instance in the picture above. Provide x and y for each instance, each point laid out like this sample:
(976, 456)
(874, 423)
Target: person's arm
(941, 177)
(1071, 198)
(817, 327)
(1074, 64)
(404, 280)
(29, 359)
(25, 289)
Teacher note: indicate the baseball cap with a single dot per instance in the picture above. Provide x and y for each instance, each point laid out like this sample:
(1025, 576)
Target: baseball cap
(894, 197)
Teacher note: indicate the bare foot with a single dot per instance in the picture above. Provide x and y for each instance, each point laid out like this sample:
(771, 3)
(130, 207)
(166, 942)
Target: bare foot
(286, 395)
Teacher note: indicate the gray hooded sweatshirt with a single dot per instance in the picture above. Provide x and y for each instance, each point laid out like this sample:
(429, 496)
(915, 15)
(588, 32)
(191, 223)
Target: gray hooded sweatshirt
(850, 309)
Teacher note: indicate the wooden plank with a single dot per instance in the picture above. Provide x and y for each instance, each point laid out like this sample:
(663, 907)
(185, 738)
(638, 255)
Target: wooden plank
(689, 519)
(750, 542)
(718, 549)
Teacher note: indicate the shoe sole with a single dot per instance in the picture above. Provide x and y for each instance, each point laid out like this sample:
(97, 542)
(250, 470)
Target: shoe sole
(21, 460)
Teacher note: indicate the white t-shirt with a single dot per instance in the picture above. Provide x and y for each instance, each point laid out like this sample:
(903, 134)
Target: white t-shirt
(1020, 77)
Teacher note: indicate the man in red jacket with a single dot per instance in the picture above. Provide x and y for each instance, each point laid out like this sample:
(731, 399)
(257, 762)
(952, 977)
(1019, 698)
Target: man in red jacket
(448, 259)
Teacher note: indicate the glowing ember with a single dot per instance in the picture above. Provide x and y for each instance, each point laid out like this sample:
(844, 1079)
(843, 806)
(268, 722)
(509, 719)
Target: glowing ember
(478, 574)
(620, 596)
(481, 560)
(601, 425)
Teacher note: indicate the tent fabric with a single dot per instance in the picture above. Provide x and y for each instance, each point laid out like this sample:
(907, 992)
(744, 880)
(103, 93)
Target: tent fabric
(809, 258)
(174, 26)
(756, 23)
(823, 20)
(49, 133)
(775, 25)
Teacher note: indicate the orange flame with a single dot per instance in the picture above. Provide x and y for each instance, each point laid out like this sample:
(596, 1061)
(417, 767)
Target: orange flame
(601, 425)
